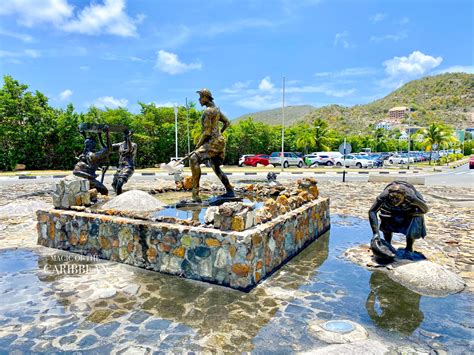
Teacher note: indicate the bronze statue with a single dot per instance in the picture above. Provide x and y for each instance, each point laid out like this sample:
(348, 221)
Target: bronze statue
(401, 210)
(126, 166)
(211, 145)
(90, 160)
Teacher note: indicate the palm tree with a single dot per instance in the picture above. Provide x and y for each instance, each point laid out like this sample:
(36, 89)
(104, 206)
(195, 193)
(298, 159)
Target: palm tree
(380, 143)
(435, 136)
(305, 137)
(321, 135)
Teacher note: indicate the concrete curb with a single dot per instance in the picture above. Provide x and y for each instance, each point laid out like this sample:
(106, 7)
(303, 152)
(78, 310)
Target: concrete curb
(328, 173)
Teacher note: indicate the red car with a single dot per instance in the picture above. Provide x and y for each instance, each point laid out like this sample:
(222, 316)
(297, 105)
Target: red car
(471, 162)
(257, 159)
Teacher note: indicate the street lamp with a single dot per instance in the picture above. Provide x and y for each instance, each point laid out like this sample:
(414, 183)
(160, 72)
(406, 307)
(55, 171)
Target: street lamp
(283, 127)
(176, 129)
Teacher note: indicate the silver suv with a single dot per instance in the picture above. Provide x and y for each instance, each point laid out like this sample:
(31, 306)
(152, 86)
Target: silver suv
(288, 159)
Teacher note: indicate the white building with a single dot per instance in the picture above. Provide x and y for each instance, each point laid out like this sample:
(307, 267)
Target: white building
(384, 125)
(403, 136)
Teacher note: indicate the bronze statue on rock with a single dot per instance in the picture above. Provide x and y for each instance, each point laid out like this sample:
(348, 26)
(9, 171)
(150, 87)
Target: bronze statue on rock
(211, 147)
(401, 209)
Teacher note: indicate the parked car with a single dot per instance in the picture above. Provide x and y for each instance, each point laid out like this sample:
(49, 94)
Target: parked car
(471, 162)
(257, 159)
(319, 159)
(289, 158)
(355, 161)
(400, 159)
(242, 158)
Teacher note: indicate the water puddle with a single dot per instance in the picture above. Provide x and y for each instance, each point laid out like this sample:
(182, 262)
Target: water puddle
(114, 307)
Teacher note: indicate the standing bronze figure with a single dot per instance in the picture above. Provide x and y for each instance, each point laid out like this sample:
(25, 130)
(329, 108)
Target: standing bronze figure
(127, 151)
(211, 145)
(401, 210)
(90, 160)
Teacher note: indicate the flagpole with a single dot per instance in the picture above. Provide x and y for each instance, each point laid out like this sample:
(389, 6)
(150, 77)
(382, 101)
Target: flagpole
(283, 126)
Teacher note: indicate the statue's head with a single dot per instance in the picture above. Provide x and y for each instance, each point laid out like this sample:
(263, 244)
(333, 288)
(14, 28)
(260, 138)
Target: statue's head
(89, 144)
(205, 96)
(396, 195)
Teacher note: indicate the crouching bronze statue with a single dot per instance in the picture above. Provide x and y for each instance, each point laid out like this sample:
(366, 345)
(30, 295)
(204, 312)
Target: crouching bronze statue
(401, 209)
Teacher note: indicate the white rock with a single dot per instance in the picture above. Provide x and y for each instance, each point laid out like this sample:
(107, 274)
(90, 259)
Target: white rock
(104, 293)
(427, 278)
(210, 213)
(131, 289)
(134, 201)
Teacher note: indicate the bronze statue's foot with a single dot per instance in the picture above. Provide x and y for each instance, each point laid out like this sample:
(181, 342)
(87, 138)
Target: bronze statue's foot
(228, 194)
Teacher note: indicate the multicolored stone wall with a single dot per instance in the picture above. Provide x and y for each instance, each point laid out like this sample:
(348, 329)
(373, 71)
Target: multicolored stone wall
(235, 259)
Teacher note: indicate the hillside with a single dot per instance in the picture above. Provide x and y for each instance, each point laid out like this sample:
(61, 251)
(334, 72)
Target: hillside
(273, 117)
(447, 97)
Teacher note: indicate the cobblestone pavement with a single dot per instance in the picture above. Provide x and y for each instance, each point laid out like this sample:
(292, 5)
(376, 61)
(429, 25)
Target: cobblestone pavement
(121, 308)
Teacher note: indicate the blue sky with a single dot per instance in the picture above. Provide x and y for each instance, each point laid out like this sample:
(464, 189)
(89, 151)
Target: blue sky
(111, 53)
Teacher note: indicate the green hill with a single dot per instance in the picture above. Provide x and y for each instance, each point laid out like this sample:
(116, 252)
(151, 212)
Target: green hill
(273, 117)
(445, 98)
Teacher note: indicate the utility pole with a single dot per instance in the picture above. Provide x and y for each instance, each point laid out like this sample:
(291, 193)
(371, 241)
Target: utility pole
(176, 130)
(409, 140)
(187, 124)
(283, 127)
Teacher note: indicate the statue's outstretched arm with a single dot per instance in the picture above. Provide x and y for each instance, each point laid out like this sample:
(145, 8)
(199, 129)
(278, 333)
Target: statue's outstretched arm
(374, 222)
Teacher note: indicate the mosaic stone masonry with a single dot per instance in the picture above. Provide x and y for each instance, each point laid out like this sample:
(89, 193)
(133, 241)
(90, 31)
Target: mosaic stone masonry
(237, 259)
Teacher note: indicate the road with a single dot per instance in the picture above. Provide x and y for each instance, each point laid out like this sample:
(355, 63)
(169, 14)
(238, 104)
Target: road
(460, 177)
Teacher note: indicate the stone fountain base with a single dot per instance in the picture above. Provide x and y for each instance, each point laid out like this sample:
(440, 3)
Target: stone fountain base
(237, 259)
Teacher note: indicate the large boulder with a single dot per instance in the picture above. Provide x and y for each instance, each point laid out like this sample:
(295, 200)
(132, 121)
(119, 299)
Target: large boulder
(427, 278)
(134, 201)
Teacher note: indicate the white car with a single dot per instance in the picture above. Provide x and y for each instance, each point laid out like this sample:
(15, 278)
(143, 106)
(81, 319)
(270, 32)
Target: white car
(242, 158)
(399, 159)
(354, 161)
(288, 159)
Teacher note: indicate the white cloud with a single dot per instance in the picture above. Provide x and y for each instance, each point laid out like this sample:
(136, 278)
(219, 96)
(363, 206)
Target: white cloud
(31, 53)
(109, 18)
(266, 84)
(32, 12)
(415, 64)
(378, 17)
(20, 36)
(237, 26)
(309, 89)
(390, 37)
(66, 94)
(163, 104)
(457, 69)
(84, 67)
(237, 87)
(348, 72)
(259, 102)
(342, 39)
(169, 63)
(110, 102)
(404, 20)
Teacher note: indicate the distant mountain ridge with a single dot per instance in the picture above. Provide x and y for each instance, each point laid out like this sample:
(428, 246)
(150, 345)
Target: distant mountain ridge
(445, 98)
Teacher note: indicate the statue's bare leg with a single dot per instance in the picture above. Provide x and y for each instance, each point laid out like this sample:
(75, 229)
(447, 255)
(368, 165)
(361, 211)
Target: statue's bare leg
(410, 242)
(216, 166)
(194, 163)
